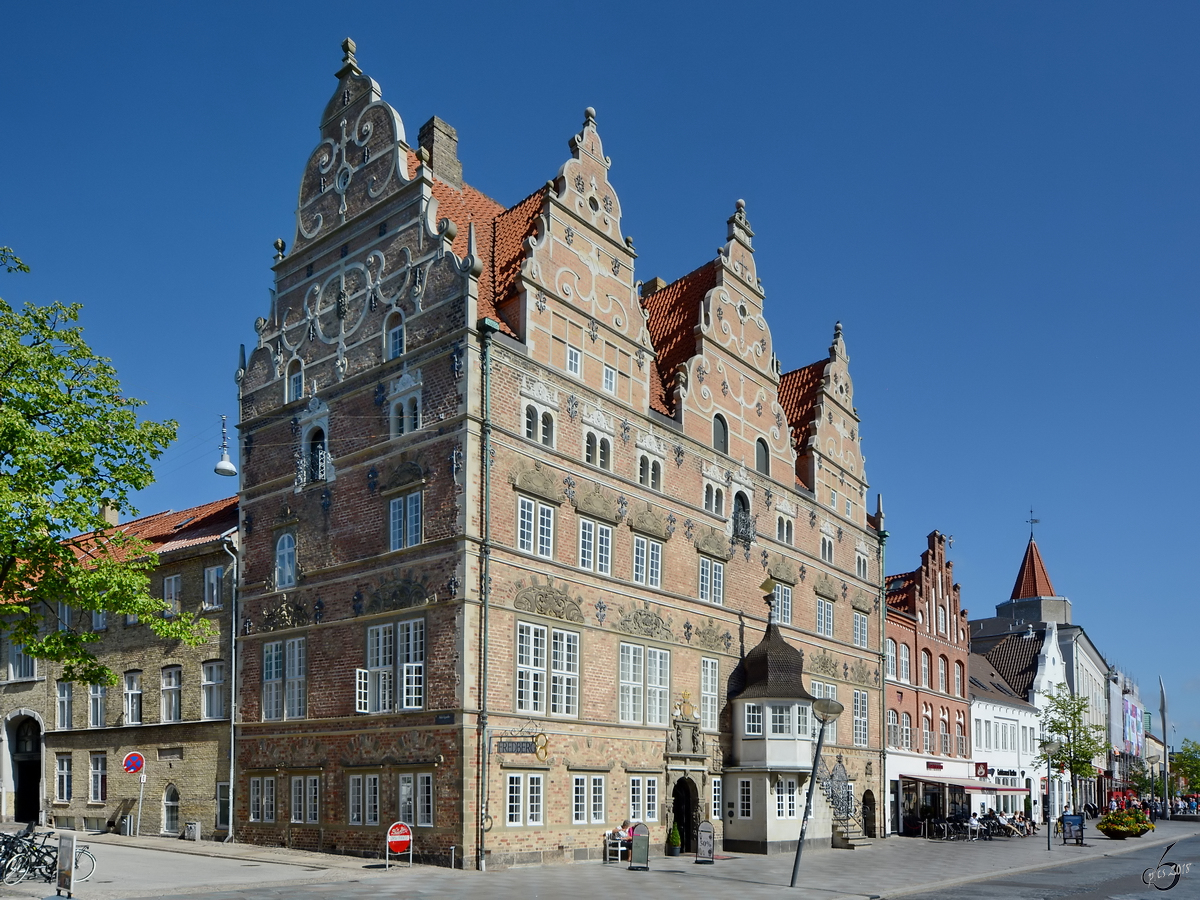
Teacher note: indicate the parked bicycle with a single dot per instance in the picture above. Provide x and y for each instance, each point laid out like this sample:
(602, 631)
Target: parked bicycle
(26, 855)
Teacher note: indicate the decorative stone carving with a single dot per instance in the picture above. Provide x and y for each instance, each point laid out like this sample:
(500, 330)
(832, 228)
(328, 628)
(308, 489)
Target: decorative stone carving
(861, 672)
(547, 600)
(862, 601)
(781, 569)
(598, 420)
(645, 622)
(535, 479)
(398, 593)
(598, 503)
(785, 507)
(285, 614)
(709, 637)
(822, 662)
(653, 445)
(539, 392)
(649, 521)
(403, 475)
(825, 586)
(713, 543)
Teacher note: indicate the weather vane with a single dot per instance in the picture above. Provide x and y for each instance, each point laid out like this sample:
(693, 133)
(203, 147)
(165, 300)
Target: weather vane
(1032, 521)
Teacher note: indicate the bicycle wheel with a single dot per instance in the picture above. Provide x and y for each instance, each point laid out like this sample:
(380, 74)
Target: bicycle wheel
(16, 869)
(85, 864)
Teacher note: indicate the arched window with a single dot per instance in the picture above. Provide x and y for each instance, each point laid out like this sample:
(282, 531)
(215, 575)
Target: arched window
(787, 532)
(941, 614)
(714, 500)
(925, 668)
(743, 524)
(295, 381)
(927, 734)
(414, 414)
(547, 429)
(762, 457)
(893, 728)
(720, 434)
(904, 667)
(285, 561)
(891, 658)
(605, 454)
(394, 337)
(906, 731)
(170, 816)
(531, 423)
(945, 731)
(28, 737)
(942, 674)
(958, 679)
(656, 475)
(590, 450)
(827, 548)
(316, 455)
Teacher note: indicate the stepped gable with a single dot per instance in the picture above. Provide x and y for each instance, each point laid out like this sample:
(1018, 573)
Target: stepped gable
(773, 669)
(673, 312)
(1016, 659)
(1032, 579)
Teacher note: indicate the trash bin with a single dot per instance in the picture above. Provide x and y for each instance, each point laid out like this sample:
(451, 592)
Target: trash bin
(127, 825)
(191, 831)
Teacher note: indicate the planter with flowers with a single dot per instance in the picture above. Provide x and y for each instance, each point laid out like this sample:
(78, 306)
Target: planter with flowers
(1122, 823)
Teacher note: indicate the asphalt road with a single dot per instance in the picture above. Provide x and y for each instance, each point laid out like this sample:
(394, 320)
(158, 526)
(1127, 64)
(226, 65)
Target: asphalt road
(1104, 878)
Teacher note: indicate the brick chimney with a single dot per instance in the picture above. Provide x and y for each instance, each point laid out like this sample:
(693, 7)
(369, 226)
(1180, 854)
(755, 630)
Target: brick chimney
(108, 512)
(652, 286)
(440, 140)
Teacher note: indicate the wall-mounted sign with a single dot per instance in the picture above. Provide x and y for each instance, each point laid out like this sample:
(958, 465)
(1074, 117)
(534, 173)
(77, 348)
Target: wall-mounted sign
(929, 764)
(516, 747)
(981, 770)
(443, 719)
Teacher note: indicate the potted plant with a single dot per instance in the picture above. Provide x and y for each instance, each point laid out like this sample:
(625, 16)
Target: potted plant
(673, 840)
(1122, 823)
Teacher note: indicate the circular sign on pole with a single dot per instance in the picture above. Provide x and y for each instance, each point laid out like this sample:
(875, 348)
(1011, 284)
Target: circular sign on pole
(399, 837)
(133, 762)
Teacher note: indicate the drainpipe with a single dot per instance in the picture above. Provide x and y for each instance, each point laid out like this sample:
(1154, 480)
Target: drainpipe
(233, 679)
(487, 328)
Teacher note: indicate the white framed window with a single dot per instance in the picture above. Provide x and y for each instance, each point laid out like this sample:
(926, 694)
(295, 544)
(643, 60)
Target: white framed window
(644, 684)
(574, 361)
(172, 595)
(860, 718)
(893, 728)
(285, 666)
(803, 725)
(824, 617)
(745, 799)
(212, 690)
(404, 517)
(647, 561)
(378, 692)
(587, 799)
(133, 698)
(363, 800)
(906, 731)
(406, 799)
(579, 799)
(172, 687)
(539, 426)
(924, 668)
(849, 507)
(833, 500)
(781, 719)
(927, 735)
(714, 500)
(597, 799)
(395, 337)
(99, 620)
(610, 379)
(395, 655)
(658, 685)
(285, 561)
(65, 704)
(650, 473)
(595, 546)
(709, 681)
(295, 381)
(535, 527)
(785, 799)
(643, 798)
(564, 673)
(20, 664)
(754, 720)
(597, 451)
(214, 580)
(958, 679)
(254, 812)
(62, 777)
(860, 630)
(531, 667)
(268, 798)
(942, 674)
(820, 689)
(712, 581)
(306, 796)
(526, 800)
(904, 663)
(827, 548)
(941, 620)
(860, 566)
(717, 812)
(65, 616)
(97, 705)
(890, 658)
(98, 792)
(371, 800)
(423, 799)
(783, 603)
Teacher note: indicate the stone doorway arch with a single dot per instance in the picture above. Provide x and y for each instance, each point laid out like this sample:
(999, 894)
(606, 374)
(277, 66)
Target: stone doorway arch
(685, 812)
(23, 731)
(868, 813)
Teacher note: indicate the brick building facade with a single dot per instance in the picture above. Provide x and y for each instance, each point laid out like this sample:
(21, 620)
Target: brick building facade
(927, 725)
(506, 511)
(64, 742)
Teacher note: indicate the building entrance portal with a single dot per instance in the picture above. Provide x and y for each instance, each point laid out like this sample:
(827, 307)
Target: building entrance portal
(685, 809)
(868, 813)
(27, 769)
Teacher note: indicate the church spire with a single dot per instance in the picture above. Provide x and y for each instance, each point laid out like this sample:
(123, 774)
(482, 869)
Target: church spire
(1032, 579)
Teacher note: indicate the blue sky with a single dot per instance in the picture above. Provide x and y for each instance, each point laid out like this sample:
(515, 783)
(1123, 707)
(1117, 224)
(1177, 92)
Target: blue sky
(1000, 202)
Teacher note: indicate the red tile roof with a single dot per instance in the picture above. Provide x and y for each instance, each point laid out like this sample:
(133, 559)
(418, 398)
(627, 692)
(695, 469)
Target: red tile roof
(901, 590)
(1016, 659)
(167, 531)
(673, 313)
(1032, 579)
(988, 683)
(510, 230)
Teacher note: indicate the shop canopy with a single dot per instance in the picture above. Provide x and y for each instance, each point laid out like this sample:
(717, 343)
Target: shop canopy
(969, 784)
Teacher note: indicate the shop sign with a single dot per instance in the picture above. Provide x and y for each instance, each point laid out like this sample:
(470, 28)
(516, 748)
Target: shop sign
(981, 770)
(937, 766)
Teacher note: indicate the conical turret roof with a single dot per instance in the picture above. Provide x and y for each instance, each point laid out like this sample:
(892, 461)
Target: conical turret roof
(1032, 580)
(774, 669)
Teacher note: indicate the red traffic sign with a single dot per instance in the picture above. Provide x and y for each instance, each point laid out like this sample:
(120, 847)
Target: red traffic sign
(399, 838)
(133, 762)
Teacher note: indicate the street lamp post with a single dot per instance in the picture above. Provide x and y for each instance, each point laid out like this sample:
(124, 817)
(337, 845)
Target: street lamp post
(826, 710)
(1049, 748)
(1152, 760)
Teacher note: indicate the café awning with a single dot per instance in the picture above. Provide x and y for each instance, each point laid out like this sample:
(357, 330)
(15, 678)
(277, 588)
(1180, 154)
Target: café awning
(970, 784)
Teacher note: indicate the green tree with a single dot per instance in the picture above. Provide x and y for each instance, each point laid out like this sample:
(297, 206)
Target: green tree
(70, 444)
(1185, 763)
(1143, 779)
(1065, 721)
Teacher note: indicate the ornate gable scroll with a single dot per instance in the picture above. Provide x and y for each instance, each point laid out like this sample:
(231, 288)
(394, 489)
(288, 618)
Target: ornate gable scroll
(648, 521)
(825, 586)
(715, 543)
(862, 601)
(645, 622)
(405, 474)
(598, 503)
(547, 600)
(534, 479)
(398, 593)
(782, 570)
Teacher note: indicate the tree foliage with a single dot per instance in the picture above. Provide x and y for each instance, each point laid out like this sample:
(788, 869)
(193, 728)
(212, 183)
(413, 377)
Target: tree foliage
(70, 443)
(1064, 720)
(1185, 762)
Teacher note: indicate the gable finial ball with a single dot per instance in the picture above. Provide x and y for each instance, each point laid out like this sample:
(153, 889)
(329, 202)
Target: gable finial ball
(279, 246)
(348, 47)
(741, 205)
(590, 113)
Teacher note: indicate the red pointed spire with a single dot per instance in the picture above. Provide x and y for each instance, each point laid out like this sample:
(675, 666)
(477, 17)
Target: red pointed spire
(1032, 580)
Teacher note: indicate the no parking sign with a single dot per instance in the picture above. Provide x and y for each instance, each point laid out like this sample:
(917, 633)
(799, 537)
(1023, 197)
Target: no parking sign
(133, 763)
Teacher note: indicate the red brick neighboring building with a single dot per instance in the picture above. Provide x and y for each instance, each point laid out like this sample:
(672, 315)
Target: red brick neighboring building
(507, 511)
(927, 719)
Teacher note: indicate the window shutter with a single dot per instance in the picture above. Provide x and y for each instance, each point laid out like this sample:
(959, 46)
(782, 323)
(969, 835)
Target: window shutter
(362, 690)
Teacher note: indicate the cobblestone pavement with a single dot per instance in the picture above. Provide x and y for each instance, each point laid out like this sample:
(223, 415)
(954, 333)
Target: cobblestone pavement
(157, 867)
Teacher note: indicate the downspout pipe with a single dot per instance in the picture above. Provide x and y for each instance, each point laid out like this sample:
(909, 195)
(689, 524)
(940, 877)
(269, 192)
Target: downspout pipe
(487, 329)
(233, 677)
